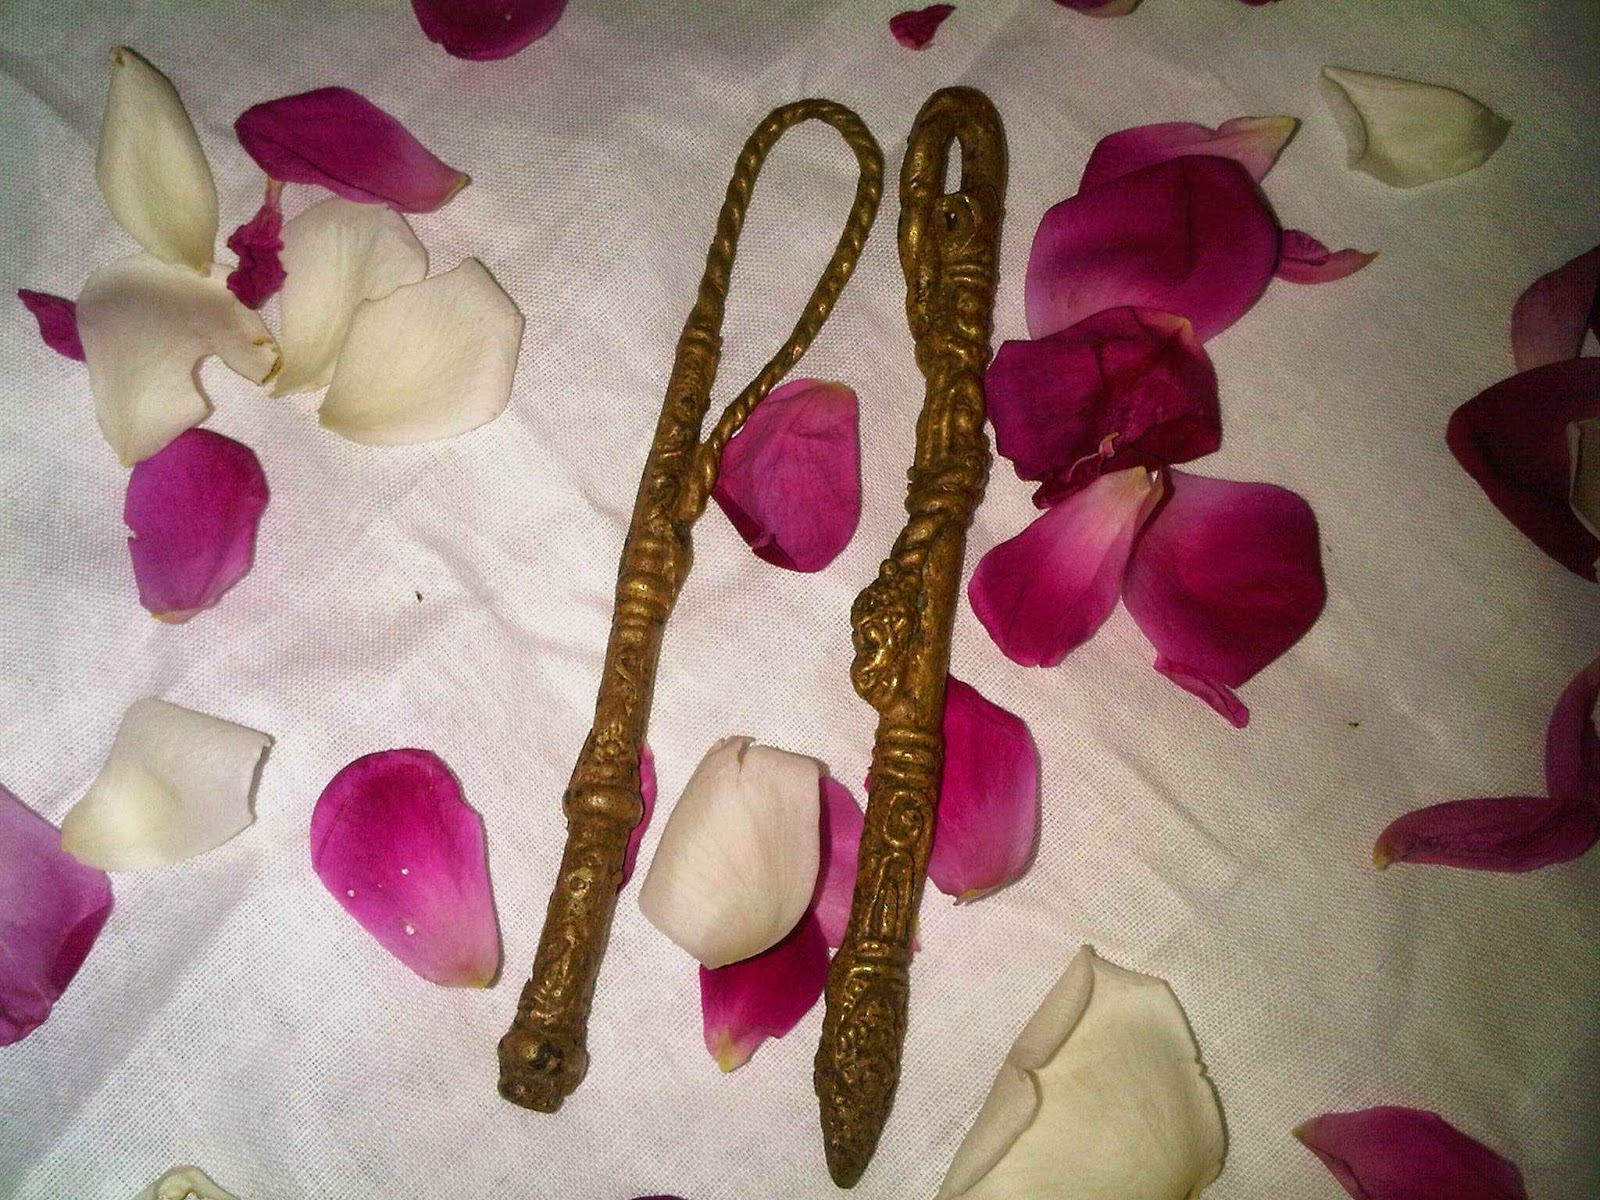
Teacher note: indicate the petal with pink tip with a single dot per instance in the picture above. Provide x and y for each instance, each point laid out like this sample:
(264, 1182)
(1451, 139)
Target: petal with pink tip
(258, 243)
(746, 1002)
(647, 795)
(1224, 579)
(1408, 1154)
(1571, 744)
(915, 28)
(396, 845)
(1303, 259)
(1551, 317)
(841, 845)
(1045, 592)
(1252, 142)
(486, 29)
(51, 911)
(342, 141)
(1101, 8)
(1127, 387)
(58, 321)
(1191, 236)
(1505, 833)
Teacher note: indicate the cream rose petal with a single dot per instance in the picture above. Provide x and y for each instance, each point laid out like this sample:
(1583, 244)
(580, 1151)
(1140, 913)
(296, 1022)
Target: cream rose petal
(431, 360)
(1407, 133)
(738, 859)
(1102, 1097)
(145, 326)
(1583, 450)
(181, 1183)
(176, 784)
(336, 254)
(150, 167)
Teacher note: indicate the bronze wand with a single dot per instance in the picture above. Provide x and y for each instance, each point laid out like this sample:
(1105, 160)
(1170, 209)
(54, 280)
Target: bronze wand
(949, 244)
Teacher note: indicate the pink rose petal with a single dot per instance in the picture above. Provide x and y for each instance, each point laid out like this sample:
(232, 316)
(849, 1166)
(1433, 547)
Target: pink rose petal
(647, 793)
(486, 29)
(1571, 744)
(1252, 142)
(1512, 439)
(1045, 592)
(1552, 316)
(396, 845)
(1101, 8)
(257, 243)
(915, 29)
(1408, 1154)
(58, 321)
(1505, 833)
(841, 843)
(1127, 387)
(193, 508)
(51, 910)
(1191, 236)
(1303, 259)
(745, 1003)
(1224, 579)
(342, 141)
(790, 479)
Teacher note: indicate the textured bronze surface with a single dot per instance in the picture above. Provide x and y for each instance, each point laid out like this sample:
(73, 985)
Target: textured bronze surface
(949, 244)
(543, 1057)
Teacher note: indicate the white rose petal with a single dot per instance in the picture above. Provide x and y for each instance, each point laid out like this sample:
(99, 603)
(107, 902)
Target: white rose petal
(1407, 133)
(430, 360)
(181, 1183)
(1102, 1097)
(738, 859)
(1583, 451)
(150, 167)
(176, 784)
(335, 255)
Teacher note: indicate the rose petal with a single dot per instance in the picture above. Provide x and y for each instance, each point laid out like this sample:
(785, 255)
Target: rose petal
(1303, 259)
(51, 910)
(431, 360)
(193, 508)
(181, 1183)
(257, 243)
(1407, 133)
(1224, 579)
(1191, 236)
(176, 784)
(344, 142)
(337, 254)
(790, 478)
(1102, 1097)
(1100, 8)
(842, 821)
(150, 167)
(1045, 592)
(1571, 744)
(145, 327)
(737, 862)
(58, 321)
(1552, 316)
(1583, 487)
(1508, 833)
(915, 28)
(1512, 439)
(647, 794)
(486, 29)
(396, 845)
(1408, 1154)
(988, 821)
(745, 1003)
(1252, 142)
(1127, 387)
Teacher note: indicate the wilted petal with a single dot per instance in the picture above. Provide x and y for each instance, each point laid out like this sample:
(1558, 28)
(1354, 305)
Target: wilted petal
(341, 140)
(1100, 8)
(1252, 142)
(915, 28)
(486, 29)
(145, 327)
(745, 1003)
(1191, 236)
(1407, 133)
(790, 478)
(1102, 1097)
(431, 360)
(257, 243)
(396, 845)
(1124, 388)
(1506, 833)
(841, 845)
(1045, 592)
(58, 321)
(337, 254)
(737, 862)
(1552, 316)
(647, 795)
(51, 911)
(176, 784)
(1571, 745)
(150, 167)
(1512, 439)
(1408, 1154)
(1225, 578)
(1303, 259)
(181, 1183)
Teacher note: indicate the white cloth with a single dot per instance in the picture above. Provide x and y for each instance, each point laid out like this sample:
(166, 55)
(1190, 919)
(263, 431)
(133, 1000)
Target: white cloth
(456, 596)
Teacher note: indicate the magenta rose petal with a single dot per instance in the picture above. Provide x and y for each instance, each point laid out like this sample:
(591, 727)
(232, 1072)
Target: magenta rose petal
(1505, 833)
(1252, 142)
(51, 910)
(342, 141)
(746, 1002)
(790, 479)
(647, 793)
(841, 843)
(915, 29)
(1408, 1154)
(58, 321)
(396, 845)
(486, 29)
(257, 243)
(1572, 746)
(1224, 579)
(1045, 592)
(1552, 316)
(1303, 259)
(194, 508)
(1191, 236)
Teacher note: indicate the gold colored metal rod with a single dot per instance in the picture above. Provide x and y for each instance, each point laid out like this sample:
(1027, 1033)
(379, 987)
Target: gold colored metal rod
(949, 246)
(544, 1056)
